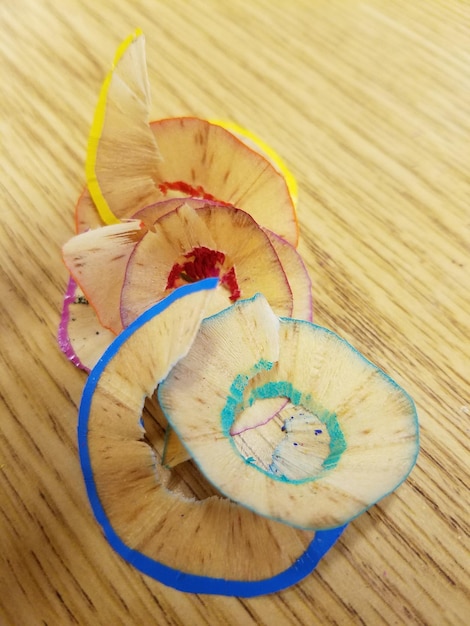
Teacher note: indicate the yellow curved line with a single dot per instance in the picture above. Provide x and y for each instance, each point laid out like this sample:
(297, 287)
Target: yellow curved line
(268, 151)
(95, 135)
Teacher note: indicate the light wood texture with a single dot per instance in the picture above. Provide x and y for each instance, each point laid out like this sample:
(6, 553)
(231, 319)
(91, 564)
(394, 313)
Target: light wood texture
(369, 104)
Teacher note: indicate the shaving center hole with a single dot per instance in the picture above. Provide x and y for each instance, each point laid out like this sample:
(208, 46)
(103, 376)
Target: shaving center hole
(281, 438)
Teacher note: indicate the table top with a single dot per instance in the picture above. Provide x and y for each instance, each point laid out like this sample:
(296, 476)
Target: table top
(368, 104)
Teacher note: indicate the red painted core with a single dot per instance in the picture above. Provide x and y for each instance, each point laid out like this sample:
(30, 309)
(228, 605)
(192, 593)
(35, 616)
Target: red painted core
(187, 189)
(202, 263)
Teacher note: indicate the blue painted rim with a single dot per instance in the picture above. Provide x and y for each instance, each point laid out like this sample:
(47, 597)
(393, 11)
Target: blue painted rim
(192, 583)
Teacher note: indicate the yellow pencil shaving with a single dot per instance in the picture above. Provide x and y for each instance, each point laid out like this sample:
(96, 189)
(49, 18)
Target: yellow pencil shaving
(96, 131)
(268, 152)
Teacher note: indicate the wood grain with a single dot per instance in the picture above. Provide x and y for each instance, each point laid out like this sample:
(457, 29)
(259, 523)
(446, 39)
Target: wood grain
(368, 103)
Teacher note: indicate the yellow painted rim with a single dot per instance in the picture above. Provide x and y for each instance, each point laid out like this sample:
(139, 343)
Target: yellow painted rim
(96, 131)
(267, 150)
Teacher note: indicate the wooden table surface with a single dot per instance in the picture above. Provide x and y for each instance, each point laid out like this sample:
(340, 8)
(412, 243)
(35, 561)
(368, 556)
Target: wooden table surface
(369, 104)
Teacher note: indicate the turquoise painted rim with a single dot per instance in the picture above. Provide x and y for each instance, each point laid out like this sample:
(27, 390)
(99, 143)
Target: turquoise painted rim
(383, 374)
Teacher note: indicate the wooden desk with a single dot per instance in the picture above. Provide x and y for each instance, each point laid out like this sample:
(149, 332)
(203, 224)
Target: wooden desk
(369, 104)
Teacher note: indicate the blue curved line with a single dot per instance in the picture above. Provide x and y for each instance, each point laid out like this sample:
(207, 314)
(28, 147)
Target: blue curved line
(321, 543)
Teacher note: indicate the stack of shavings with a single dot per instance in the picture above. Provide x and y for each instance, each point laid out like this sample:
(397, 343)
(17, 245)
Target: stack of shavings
(225, 439)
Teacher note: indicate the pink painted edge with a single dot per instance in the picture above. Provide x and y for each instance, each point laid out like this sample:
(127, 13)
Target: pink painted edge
(304, 270)
(239, 432)
(63, 338)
